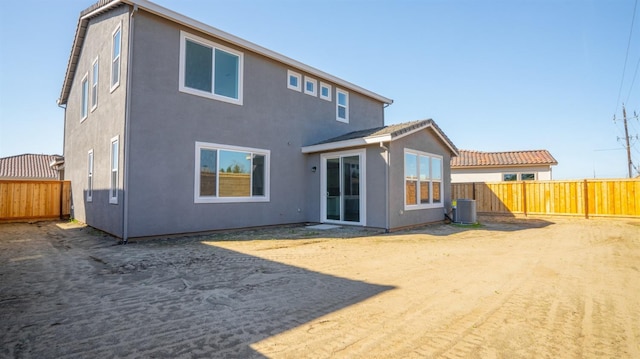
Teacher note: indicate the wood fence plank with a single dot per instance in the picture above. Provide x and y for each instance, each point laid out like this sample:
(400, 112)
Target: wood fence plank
(4, 199)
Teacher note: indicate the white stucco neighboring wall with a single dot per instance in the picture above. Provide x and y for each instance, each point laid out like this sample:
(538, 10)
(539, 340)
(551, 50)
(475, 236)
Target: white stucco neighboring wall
(495, 174)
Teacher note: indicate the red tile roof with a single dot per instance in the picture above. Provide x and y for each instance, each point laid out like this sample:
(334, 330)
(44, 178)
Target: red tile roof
(498, 159)
(29, 166)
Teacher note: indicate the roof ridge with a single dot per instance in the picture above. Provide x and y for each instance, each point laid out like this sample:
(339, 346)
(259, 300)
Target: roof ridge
(478, 151)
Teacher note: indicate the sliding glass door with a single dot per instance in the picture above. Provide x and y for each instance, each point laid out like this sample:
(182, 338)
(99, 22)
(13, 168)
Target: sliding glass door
(342, 188)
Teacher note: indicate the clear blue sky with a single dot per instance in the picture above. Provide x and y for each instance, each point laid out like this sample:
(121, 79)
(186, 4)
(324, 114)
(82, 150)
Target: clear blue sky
(495, 75)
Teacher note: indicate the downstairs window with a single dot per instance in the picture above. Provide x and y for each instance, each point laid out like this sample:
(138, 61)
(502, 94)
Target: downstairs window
(423, 180)
(231, 174)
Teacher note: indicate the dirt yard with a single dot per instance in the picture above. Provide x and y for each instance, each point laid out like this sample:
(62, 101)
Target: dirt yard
(552, 288)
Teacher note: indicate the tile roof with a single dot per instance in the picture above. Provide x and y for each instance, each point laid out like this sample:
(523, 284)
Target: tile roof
(393, 131)
(495, 159)
(29, 166)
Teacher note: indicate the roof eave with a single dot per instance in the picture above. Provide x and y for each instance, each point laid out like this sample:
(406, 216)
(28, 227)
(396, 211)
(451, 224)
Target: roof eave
(78, 41)
(210, 30)
(339, 145)
(368, 140)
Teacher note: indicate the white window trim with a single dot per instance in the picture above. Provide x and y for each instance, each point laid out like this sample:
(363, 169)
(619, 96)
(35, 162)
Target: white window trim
(115, 85)
(112, 186)
(94, 66)
(328, 87)
(346, 112)
(215, 199)
(519, 176)
(211, 95)
(90, 166)
(296, 75)
(412, 207)
(313, 92)
(84, 107)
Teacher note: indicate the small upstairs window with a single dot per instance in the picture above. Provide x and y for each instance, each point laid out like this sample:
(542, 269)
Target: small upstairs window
(84, 104)
(94, 85)
(294, 81)
(342, 105)
(325, 91)
(116, 44)
(310, 86)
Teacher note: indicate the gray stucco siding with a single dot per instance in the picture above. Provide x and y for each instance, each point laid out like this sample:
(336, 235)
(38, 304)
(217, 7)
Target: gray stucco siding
(425, 141)
(100, 126)
(166, 123)
(376, 177)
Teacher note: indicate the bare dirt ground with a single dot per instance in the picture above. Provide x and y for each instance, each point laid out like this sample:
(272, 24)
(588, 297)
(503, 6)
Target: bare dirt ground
(546, 288)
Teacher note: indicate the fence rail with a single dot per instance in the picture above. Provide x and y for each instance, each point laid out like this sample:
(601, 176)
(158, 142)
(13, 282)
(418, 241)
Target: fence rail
(27, 200)
(618, 197)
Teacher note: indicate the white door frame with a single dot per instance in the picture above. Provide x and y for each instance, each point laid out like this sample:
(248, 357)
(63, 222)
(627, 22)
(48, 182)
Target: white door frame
(363, 185)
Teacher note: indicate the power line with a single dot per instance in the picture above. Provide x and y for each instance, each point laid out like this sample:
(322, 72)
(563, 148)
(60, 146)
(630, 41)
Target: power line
(633, 80)
(626, 56)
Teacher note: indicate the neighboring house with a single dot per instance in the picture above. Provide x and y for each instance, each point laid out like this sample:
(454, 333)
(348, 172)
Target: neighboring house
(32, 167)
(476, 166)
(173, 126)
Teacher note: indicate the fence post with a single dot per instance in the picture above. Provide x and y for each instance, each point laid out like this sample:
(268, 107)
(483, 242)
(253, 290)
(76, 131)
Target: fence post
(524, 198)
(61, 198)
(586, 200)
(474, 191)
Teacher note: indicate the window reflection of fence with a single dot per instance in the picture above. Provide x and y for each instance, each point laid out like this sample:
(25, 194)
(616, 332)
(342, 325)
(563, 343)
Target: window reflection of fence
(235, 184)
(618, 197)
(231, 184)
(411, 191)
(207, 184)
(426, 188)
(26, 200)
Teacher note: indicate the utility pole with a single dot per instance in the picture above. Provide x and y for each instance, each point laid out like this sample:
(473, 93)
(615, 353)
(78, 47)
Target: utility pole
(626, 138)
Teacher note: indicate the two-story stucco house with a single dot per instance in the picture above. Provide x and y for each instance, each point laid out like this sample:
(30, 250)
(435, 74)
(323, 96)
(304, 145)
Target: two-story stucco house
(173, 126)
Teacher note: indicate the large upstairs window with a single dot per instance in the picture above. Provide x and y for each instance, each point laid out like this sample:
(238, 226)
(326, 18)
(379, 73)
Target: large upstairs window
(210, 70)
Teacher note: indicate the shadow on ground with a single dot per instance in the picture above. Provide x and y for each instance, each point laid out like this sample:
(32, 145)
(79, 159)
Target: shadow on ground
(72, 293)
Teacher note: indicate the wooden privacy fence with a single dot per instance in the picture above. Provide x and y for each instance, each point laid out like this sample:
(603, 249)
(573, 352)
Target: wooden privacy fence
(617, 197)
(27, 200)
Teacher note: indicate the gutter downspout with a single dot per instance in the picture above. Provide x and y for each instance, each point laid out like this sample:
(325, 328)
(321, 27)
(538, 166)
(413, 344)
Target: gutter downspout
(127, 118)
(61, 178)
(386, 185)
